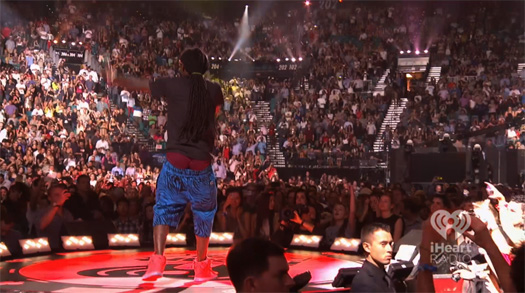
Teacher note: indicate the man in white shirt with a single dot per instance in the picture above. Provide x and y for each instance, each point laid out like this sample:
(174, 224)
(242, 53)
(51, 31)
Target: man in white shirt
(93, 74)
(371, 130)
(130, 104)
(21, 88)
(219, 169)
(124, 96)
(102, 145)
(322, 101)
(37, 111)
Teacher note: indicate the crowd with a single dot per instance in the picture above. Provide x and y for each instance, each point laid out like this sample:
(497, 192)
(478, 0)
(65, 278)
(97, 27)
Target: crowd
(480, 87)
(66, 138)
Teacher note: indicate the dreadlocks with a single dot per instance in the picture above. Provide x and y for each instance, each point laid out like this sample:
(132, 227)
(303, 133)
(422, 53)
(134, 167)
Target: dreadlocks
(196, 64)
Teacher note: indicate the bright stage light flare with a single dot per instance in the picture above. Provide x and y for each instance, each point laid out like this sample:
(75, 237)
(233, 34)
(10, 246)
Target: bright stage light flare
(77, 242)
(310, 241)
(123, 240)
(221, 238)
(345, 244)
(176, 239)
(30, 246)
(4, 251)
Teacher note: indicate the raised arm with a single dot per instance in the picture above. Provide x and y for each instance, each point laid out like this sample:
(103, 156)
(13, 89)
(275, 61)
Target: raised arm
(351, 214)
(133, 83)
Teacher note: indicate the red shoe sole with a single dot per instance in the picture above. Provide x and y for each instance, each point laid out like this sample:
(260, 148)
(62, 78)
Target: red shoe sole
(152, 278)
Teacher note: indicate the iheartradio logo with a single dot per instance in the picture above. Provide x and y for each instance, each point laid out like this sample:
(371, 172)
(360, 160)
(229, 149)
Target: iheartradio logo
(442, 221)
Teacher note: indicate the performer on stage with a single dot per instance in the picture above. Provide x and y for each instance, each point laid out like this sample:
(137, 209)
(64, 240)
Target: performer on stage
(187, 175)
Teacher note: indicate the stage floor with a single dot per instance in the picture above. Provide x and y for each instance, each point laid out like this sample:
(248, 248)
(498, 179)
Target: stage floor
(115, 271)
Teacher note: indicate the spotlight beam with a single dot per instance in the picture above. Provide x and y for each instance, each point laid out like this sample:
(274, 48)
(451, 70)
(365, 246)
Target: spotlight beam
(244, 33)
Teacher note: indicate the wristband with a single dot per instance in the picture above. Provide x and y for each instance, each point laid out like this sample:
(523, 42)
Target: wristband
(57, 205)
(427, 267)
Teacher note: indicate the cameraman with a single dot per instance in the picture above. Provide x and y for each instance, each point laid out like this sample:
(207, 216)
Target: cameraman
(295, 221)
(50, 220)
(304, 224)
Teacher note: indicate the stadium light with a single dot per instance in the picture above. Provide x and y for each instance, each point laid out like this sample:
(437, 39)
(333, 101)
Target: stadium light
(123, 240)
(426, 51)
(55, 42)
(345, 244)
(307, 3)
(80, 43)
(212, 58)
(278, 60)
(401, 52)
(300, 58)
(30, 246)
(408, 51)
(310, 241)
(293, 59)
(63, 41)
(417, 52)
(73, 43)
(287, 59)
(77, 242)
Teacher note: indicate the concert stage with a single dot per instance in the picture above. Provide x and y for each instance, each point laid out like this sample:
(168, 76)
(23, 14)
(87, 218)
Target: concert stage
(112, 271)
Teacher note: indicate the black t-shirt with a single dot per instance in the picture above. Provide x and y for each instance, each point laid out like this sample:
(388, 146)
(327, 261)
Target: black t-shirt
(391, 222)
(177, 93)
(372, 279)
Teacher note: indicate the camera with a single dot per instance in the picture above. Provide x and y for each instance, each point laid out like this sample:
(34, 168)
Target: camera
(288, 214)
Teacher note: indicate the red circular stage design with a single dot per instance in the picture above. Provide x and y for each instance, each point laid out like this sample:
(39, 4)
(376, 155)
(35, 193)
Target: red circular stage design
(114, 269)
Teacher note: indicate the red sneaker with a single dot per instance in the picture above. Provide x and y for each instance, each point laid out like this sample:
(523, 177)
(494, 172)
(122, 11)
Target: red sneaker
(156, 266)
(203, 271)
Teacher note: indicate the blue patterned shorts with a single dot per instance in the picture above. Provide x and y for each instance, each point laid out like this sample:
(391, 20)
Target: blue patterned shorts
(176, 187)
